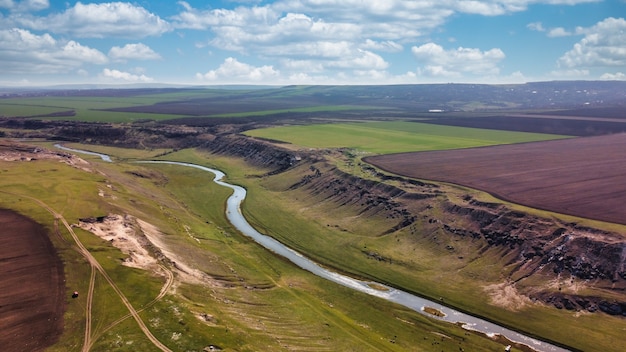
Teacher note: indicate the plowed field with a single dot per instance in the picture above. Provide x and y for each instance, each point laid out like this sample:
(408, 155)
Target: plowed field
(32, 288)
(585, 177)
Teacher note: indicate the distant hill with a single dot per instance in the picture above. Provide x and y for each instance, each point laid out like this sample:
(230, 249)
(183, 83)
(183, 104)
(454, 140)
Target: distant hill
(398, 100)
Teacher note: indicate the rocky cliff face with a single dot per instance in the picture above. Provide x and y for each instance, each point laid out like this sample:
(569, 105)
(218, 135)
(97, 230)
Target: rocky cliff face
(539, 245)
(255, 152)
(550, 247)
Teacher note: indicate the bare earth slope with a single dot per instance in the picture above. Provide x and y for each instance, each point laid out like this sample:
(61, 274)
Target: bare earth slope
(584, 177)
(32, 288)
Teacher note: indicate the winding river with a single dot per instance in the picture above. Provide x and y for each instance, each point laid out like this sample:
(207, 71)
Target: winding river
(235, 216)
(104, 157)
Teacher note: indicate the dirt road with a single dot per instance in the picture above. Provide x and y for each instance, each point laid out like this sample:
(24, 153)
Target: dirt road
(88, 340)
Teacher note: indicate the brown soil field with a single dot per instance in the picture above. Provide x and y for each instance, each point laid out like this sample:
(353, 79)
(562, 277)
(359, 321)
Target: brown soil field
(551, 124)
(32, 288)
(585, 177)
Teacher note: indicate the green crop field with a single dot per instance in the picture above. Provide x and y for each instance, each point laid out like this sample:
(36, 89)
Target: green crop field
(394, 137)
(328, 108)
(85, 108)
(13, 110)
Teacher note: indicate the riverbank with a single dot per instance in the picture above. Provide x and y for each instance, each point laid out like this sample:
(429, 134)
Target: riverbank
(235, 216)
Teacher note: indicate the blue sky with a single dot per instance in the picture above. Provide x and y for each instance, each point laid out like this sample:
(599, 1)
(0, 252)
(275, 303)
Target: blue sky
(283, 42)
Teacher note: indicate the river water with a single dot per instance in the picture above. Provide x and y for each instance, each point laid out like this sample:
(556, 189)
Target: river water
(104, 157)
(235, 216)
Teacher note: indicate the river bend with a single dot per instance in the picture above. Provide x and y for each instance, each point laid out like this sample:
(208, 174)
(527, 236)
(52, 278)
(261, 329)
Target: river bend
(235, 216)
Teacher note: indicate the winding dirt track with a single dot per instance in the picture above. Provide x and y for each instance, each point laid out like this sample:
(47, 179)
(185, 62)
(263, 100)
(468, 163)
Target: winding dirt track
(88, 340)
(168, 284)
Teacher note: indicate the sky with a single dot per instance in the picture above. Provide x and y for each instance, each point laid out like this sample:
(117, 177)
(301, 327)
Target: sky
(284, 42)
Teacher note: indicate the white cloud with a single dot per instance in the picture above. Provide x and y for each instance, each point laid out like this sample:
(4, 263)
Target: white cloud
(198, 19)
(137, 51)
(251, 31)
(116, 75)
(24, 52)
(311, 20)
(552, 32)
(309, 66)
(387, 45)
(233, 71)
(536, 26)
(25, 5)
(501, 7)
(454, 62)
(361, 60)
(486, 8)
(569, 74)
(371, 75)
(617, 76)
(113, 19)
(602, 46)
(558, 32)
(34, 5)
(333, 36)
(311, 40)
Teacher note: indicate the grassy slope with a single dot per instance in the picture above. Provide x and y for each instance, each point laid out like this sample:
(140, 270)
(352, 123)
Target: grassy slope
(319, 230)
(373, 313)
(288, 307)
(266, 303)
(393, 137)
(304, 226)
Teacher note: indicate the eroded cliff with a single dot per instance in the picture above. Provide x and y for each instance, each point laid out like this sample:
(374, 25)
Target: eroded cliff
(532, 245)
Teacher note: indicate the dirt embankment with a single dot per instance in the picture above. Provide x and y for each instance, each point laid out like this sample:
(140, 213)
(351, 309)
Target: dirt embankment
(538, 246)
(255, 152)
(32, 286)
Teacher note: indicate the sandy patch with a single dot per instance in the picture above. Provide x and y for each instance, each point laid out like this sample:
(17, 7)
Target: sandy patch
(14, 151)
(184, 271)
(505, 295)
(120, 232)
(144, 247)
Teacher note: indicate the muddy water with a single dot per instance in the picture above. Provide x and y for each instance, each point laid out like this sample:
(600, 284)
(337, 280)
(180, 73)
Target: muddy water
(234, 215)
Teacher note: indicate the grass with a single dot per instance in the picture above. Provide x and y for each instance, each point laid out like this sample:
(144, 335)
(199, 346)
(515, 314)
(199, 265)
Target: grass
(18, 109)
(116, 153)
(324, 108)
(393, 137)
(261, 300)
(86, 108)
(283, 273)
(421, 265)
